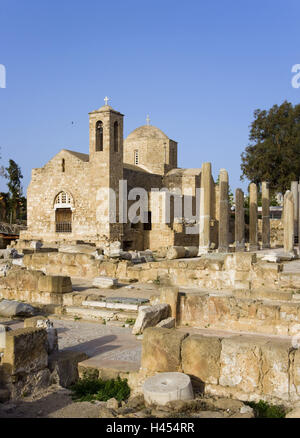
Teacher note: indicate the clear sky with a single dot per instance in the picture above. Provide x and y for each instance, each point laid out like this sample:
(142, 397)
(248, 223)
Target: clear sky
(199, 68)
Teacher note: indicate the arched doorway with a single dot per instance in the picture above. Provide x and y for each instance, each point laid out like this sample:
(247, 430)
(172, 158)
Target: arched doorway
(63, 213)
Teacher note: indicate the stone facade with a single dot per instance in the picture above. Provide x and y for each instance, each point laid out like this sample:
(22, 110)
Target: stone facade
(73, 196)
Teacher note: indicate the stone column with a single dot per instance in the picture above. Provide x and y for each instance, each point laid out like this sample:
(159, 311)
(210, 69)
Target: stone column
(288, 222)
(239, 221)
(265, 215)
(223, 212)
(294, 190)
(205, 208)
(253, 242)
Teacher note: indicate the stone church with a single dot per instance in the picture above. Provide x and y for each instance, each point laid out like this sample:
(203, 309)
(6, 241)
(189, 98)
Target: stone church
(63, 202)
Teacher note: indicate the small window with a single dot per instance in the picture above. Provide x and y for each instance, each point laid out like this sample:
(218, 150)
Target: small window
(63, 165)
(116, 137)
(136, 157)
(99, 136)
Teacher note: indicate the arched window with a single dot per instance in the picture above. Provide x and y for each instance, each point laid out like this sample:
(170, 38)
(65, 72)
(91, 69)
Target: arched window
(63, 204)
(116, 137)
(62, 200)
(63, 165)
(99, 136)
(136, 157)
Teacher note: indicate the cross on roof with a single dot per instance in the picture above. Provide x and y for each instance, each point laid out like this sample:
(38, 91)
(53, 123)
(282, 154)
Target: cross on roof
(106, 99)
(148, 120)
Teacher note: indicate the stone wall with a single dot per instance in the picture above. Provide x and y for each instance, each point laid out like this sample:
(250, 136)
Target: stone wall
(24, 365)
(239, 271)
(34, 287)
(249, 368)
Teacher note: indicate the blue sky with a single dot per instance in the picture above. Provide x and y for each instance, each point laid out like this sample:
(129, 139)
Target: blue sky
(199, 68)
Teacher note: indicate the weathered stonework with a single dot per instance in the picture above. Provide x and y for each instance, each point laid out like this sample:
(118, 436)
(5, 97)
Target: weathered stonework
(72, 197)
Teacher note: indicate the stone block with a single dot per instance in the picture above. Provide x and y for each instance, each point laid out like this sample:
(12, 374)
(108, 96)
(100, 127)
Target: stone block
(11, 308)
(240, 364)
(55, 284)
(149, 316)
(26, 351)
(169, 295)
(161, 350)
(63, 366)
(167, 323)
(105, 282)
(275, 368)
(201, 358)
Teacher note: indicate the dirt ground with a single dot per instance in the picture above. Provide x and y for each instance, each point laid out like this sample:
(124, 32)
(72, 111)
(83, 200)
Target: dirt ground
(55, 402)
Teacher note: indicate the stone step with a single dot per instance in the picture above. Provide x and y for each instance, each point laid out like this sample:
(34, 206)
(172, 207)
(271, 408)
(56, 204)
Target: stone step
(102, 314)
(116, 303)
(107, 368)
(276, 295)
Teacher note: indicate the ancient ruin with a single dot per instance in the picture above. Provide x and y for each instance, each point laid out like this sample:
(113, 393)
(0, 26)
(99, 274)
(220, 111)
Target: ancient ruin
(106, 283)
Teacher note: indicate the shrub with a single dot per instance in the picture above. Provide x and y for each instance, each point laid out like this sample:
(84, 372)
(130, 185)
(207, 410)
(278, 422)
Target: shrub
(265, 410)
(89, 388)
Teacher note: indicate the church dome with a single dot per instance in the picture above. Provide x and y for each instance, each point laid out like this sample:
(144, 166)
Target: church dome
(147, 131)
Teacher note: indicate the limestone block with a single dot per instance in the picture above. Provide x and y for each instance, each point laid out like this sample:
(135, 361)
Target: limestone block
(77, 249)
(201, 358)
(167, 323)
(244, 261)
(105, 282)
(22, 279)
(167, 387)
(29, 384)
(43, 322)
(26, 351)
(10, 308)
(55, 284)
(161, 350)
(149, 316)
(169, 295)
(275, 366)
(63, 366)
(176, 252)
(240, 364)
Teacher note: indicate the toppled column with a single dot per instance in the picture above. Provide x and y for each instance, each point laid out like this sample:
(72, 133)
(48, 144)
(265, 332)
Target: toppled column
(294, 190)
(265, 215)
(205, 208)
(239, 221)
(253, 242)
(224, 212)
(288, 222)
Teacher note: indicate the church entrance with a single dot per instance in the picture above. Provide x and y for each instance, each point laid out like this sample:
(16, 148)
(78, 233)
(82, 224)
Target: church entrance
(63, 220)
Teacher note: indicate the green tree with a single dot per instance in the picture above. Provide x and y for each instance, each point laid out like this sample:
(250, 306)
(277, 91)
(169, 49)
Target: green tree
(273, 153)
(15, 201)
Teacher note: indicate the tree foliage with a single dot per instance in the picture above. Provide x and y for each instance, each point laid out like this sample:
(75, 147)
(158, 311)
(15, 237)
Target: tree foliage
(16, 202)
(273, 153)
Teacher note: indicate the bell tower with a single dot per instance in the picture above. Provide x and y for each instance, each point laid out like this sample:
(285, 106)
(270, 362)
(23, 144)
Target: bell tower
(106, 169)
